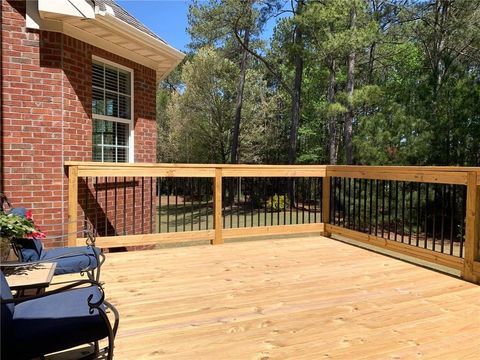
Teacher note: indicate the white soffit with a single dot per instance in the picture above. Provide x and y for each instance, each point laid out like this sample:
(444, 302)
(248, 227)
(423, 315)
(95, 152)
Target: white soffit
(76, 18)
(63, 8)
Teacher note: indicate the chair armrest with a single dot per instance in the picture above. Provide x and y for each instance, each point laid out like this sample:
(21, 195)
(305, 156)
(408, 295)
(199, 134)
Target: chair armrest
(62, 289)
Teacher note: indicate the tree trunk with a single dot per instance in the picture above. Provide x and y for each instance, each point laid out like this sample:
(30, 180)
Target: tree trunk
(332, 121)
(239, 101)
(297, 88)
(348, 128)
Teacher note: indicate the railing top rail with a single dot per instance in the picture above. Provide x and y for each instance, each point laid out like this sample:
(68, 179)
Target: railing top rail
(403, 168)
(205, 166)
(434, 174)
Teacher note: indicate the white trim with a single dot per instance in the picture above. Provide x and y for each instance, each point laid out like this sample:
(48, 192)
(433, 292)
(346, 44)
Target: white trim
(111, 63)
(130, 122)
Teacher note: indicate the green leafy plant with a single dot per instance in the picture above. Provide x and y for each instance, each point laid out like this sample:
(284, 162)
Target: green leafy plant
(15, 226)
(277, 202)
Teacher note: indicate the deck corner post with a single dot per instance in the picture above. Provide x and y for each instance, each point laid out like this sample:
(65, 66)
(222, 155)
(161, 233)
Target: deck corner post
(217, 207)
(72, 204)
(472, 229)
(326, 204)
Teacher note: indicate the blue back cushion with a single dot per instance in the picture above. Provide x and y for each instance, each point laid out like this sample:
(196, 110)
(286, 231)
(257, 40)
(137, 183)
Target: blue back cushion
(30, 249)
(6, 316)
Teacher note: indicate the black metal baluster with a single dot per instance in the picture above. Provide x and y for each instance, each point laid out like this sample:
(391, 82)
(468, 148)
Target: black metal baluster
(252, 205)
(376, 207)
(151, 205)
(192, 205)
(349, 191)
(265, 205)
(105, 184)
(463, 209)
(134, 205)
(333, 202)
(296, 199)
(419, 197)
(260, 197)
(124, 206)
(286, 201)
(292, 201)
(159, 194)
(365, 191)
(344, 203)
(86, 213)
(403, 211)
(354, 201)
(426, 214)
(168, 205)
(96, 205)
(115, 206)
(184, 222)
(199, 197)
(383, 208)
(435, 203)
(208, 186)
(410, 217)
(442, 223)
(143, 205)
(396, 210)
(244, 203)
(277, 191)
(370, 200)
(389, 208)
(453, 204)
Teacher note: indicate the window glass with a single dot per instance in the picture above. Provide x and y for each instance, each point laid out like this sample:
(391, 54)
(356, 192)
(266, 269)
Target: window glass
(111, 107)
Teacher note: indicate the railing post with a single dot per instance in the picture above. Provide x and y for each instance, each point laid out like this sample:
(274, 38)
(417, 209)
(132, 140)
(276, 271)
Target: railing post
(326, 203)
(217, 207)
(72, 204)
(472, 228)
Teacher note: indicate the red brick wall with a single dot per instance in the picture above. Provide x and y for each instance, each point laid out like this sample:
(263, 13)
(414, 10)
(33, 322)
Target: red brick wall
(47, 118)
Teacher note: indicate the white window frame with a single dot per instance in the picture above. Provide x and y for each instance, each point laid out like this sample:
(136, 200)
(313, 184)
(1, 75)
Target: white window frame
(130, 122)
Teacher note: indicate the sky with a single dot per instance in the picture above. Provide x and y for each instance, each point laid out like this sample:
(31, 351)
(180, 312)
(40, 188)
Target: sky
(168, 19)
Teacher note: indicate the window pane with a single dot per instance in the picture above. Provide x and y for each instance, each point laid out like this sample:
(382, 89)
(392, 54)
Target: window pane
(110, 141)
(111, 104)
(111, 78)
(97, 75)
(98, 102)
(122, 134)
(124, 82)
(97, 153)
(109, 154)
(122, 155)
(124, 107)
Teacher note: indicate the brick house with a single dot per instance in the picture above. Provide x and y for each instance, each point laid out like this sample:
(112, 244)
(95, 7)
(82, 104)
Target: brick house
(79, 81)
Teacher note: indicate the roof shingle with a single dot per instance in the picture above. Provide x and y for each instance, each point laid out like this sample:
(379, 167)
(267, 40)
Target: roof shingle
(122, 14)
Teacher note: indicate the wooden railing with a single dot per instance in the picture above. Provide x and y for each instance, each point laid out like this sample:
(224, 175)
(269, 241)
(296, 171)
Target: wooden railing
(431, 213)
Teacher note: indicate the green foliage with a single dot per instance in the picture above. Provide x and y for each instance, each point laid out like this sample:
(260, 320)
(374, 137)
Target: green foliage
(15, 226)
(277, 202)
(416, 83)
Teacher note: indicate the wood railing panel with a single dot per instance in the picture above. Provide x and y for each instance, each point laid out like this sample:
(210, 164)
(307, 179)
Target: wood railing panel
(461, 176)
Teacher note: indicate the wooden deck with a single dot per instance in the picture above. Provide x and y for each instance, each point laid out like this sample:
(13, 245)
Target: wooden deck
(302, 298)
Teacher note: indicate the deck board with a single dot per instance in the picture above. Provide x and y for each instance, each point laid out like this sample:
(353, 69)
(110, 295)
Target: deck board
(303, 298)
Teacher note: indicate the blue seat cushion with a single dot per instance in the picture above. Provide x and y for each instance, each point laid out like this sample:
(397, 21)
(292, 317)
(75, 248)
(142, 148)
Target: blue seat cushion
(56, 322)
(72, 259)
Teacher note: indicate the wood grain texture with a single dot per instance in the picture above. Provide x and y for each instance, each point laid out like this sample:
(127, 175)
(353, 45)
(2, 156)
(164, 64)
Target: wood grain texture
(302, 298)
(72, 205)
(472, 228)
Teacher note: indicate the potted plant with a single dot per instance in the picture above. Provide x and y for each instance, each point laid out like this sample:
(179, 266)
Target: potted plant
(16, 226)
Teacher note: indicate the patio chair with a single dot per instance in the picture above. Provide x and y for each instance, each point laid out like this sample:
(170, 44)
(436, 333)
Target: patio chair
(55, 321)
(70, 260)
